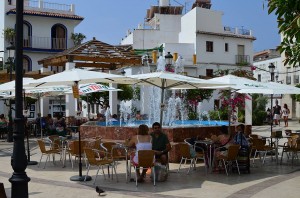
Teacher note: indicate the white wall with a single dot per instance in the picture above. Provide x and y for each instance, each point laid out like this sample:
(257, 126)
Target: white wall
(150, 38)
(186, 50)
(219, 55)
(208, 20)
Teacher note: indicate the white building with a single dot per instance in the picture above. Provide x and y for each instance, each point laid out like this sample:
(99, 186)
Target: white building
(283, 74)
(47, 30)
(199, 37)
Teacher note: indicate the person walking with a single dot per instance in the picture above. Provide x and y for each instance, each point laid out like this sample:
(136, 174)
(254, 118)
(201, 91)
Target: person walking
(277, 112)
(3, 126)
(285, 114)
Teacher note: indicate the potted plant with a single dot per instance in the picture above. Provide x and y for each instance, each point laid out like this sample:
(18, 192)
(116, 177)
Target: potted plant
(77, 38)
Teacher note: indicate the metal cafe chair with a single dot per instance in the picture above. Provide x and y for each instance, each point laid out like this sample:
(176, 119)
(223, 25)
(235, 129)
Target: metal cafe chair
(46, 151)
(94, 159)
(145, 161)
(185, 153)
(233, 151)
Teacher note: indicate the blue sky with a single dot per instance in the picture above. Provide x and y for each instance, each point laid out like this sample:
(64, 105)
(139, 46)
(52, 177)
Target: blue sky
(108, 20)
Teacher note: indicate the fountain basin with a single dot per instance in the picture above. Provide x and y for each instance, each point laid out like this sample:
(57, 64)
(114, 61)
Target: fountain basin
(175, 134)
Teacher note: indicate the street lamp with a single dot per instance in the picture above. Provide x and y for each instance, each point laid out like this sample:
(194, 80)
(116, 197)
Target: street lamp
(169, 59)
(272, 72)
(19, 179)
(10, 60)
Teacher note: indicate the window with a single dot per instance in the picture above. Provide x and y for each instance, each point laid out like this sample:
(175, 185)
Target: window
(27, 29)
(226, 47)
(27, 64)
(209, 72)
(58, 37)
(259, 77)
(209, 46)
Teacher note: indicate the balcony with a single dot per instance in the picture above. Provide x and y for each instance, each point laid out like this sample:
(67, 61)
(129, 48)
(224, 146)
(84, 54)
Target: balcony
(242, 60)
(41, 5)
(288, 80)
(238, 31)
(35, 42)
(296, 79)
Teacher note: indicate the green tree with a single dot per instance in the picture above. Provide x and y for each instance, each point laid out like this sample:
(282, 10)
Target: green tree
(126, 94)
(259, 113)
(77, 38)
(9, 34)
(296, 96)
(229, 104)
(288, 18)
(193, 97)
(99, 98)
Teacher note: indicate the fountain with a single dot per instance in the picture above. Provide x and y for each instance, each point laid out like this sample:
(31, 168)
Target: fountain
(179, 65)
(199, 112)
(125, 111)
(107, 117)
(206, 114)
(175, 123)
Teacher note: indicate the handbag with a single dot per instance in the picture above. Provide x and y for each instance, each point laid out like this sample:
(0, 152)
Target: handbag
(161, 172)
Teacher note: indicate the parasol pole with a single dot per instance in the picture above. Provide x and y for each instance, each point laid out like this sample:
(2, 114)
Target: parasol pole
(162, 102)
(27, 135)
(79, 177)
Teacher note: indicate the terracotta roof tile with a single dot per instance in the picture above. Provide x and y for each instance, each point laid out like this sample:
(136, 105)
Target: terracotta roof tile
(47, 14)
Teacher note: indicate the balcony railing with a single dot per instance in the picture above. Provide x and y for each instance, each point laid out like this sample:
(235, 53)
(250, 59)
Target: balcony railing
(240, 31)
(288, 80)
(46, 43)
(296, 79)
(242, 60)
(42, 5)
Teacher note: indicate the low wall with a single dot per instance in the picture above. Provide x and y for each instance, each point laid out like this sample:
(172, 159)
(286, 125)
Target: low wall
(175, 135)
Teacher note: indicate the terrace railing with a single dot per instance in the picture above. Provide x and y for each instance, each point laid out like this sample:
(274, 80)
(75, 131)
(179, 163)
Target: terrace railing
(44, 5)
(46, 43)
(242, 60)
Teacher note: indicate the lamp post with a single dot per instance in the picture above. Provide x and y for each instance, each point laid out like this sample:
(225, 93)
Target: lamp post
(11, 54)
(169, 59)
(19, 179)
(272, 72)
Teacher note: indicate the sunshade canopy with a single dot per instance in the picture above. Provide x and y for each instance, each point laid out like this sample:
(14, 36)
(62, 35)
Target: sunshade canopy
(69, 77)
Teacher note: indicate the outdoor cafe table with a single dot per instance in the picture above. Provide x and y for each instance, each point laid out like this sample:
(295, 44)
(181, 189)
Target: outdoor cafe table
(209, 145)
(276, 143)
(121, 144)
(62, 146)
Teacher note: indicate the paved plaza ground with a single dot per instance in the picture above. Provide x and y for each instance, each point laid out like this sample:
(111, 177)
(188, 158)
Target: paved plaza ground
(269, 180)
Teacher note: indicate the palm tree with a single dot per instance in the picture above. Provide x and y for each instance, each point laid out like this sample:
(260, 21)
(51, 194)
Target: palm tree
(77, 38)
(9, 34)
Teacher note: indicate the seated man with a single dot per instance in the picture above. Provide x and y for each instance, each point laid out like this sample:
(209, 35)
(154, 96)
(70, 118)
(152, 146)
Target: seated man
(240, 137)
(160, 143)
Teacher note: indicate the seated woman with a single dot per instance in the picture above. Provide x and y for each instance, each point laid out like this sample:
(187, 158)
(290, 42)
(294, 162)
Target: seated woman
(142, 141)
(50, 124)
(223, 141)
(61, 127)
